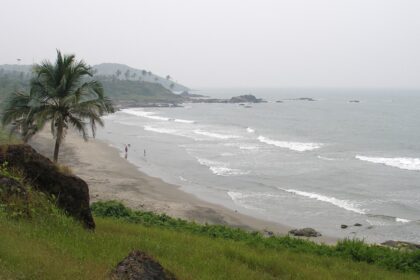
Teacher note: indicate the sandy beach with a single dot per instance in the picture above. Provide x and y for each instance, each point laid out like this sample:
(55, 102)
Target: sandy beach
(111, 177)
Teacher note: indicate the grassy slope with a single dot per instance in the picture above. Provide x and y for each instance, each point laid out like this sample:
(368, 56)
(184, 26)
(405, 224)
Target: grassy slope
(60, 249)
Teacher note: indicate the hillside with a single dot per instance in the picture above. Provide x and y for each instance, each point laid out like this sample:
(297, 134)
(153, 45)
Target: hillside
(144, 90)
(124, 72)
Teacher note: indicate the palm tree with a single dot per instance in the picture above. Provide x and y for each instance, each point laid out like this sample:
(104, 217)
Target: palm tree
(63, 95)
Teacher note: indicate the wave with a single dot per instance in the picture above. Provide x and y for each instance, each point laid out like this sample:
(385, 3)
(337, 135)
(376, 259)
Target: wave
(401, 220)
(246, 200)
(215, 135)
(399, 162)
(295, 146)
(326, 158)
(160, 130)
(345, 204)
(390, 218)
(250, 130)
(220, 168)
(152, 115)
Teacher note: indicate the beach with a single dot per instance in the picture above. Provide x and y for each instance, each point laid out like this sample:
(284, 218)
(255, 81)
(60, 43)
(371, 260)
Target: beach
(111, 177)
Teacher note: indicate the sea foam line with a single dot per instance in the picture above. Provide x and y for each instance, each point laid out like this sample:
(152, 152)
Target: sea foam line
(294, 146)
(152, 115)
(345, 204)
(247, 199)
(399, 162)
(215, 135)
(220, 168)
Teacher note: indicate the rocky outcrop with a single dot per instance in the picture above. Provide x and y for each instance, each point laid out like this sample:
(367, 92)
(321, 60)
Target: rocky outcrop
(139, 266)
(306, 232)
(248, 98)
(71, 192)
(402, 245)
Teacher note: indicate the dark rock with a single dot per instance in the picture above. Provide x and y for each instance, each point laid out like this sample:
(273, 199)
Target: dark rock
(307, 232)
(71, 192)
(249, 98)
(11, 187)
(344, 226)
(402, 245)
(354, 101)
(357, 225)
(139, 266)
(268, 233)
(279, 101)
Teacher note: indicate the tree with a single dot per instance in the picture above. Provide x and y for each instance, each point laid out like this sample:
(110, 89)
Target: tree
(168, 77)
(143, 72)
(62, 94)
(171, 86)
(118, 73)
(127, 74)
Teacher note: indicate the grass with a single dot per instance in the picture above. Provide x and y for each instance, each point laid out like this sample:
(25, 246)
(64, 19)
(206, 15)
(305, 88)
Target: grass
(50, 245)
(60, 249)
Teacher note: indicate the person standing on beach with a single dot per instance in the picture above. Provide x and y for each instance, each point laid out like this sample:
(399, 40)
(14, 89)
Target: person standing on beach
(126, 151)
(144, 152)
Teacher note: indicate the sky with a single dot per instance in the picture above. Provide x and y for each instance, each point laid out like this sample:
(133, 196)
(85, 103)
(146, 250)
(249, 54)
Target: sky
(227, 43)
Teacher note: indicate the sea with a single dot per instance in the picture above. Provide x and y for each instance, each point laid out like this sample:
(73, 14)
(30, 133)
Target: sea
(348, 157)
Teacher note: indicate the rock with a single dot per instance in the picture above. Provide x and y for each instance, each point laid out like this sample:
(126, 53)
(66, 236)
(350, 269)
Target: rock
(279, 101)
(357, 225)
(307, 232)
(71, 192)
(268, 233)
(249, 98)
(402, 245)
(139, 266)
(354, 101)
(344, 226)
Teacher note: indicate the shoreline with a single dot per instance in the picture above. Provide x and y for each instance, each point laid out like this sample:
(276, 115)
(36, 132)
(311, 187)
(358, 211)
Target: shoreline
(111, 177)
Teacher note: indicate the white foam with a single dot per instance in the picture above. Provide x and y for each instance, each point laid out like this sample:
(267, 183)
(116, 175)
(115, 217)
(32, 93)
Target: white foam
(215, 135)
(160, 130)
(248, 147)
(249, 199)
(250, 130)
(345, 204)
(399, 162)
(294, 146)
(326, 158)
(401, 220)
(183, 179)
(183, 121)
(152, 115)
(220, 168)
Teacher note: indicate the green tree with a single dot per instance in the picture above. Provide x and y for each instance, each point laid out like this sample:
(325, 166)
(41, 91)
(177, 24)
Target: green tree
(118, 73)
(62, 94)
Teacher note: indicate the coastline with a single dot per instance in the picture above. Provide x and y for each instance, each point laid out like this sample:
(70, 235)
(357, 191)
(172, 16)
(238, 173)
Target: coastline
(111, 177)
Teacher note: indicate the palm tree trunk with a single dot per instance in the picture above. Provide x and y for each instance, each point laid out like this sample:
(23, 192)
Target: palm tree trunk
(58, 141)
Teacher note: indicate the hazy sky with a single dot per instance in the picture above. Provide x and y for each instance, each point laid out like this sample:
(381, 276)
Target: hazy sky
(227, 43)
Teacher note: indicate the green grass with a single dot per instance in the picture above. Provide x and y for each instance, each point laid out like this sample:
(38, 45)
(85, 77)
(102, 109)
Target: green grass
(60, 249)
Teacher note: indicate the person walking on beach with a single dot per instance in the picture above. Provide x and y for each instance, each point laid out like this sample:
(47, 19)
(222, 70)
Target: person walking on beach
(126, 151)
(144, 152)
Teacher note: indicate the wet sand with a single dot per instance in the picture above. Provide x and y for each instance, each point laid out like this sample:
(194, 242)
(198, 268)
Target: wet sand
(111, 177)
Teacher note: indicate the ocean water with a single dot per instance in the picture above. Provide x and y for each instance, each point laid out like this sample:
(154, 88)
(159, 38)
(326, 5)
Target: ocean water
(300, 163)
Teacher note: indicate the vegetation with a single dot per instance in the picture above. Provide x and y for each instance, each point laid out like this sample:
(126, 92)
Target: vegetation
(355, 250)
(60, 94)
